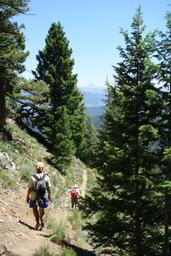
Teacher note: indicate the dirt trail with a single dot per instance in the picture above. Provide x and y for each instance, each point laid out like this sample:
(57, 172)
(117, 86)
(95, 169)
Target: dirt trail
(17, 234)
(84, 183)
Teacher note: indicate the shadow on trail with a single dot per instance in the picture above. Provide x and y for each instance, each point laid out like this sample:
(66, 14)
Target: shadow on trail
(79, 251)
(46, 236)
(27, 225)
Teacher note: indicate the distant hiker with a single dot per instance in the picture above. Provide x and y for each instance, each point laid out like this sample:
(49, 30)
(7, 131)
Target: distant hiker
(36, 194)
(74, 195)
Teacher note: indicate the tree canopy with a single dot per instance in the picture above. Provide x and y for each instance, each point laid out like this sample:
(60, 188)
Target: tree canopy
(12, 55)
(125, 202)
(55, 68)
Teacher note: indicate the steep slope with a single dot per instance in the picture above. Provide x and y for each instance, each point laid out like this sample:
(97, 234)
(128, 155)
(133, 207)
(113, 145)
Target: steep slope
(17, 235)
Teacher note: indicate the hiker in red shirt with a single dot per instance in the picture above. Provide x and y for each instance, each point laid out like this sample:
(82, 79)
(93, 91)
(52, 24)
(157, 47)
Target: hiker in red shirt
(74, 195)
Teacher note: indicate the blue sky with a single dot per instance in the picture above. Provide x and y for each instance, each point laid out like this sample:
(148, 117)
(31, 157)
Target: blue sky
(93, 30)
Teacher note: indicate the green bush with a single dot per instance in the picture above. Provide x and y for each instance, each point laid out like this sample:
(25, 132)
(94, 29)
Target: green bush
(26, 170)
(58, 232)
(67, 252)
(76, 220)
(43, 251)
(51, 223)
(7, 181)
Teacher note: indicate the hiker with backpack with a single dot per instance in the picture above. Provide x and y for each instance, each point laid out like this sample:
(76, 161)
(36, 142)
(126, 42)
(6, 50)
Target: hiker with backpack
(39, 186)
(74, 195)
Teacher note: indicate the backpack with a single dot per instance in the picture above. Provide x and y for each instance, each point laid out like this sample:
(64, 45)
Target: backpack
(40, 186)
(74, 194)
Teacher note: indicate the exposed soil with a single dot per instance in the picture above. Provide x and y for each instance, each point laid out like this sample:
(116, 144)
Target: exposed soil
(17, 234)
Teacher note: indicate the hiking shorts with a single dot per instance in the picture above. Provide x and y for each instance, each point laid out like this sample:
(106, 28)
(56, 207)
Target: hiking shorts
(42, 203)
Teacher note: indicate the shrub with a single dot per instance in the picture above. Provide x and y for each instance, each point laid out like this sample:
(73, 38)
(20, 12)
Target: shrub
(67, 252)
(7, 181)
(58, 232)
(43, 251)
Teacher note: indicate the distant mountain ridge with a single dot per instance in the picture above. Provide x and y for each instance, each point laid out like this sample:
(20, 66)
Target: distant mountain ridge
(95, 110)
(96, 113)
(93, 96)
(94, 100)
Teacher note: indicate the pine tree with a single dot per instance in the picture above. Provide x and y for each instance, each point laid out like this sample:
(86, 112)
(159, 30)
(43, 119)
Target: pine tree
(55, 68)
(12, 47)
(125, 200)
(29, 101)
(164, 57)
(89, 149)
(64, 146)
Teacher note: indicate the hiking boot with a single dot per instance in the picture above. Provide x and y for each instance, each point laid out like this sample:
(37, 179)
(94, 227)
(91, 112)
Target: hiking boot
(42, 226)
(37, 226)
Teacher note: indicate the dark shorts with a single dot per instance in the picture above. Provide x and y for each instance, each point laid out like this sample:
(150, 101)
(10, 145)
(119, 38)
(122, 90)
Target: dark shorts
(42, 203)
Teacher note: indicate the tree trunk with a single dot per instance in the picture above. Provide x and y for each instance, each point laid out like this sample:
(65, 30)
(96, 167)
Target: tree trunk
(166, 210)
(138, 231)
(138, 241)
(166, 236)
(2, 107)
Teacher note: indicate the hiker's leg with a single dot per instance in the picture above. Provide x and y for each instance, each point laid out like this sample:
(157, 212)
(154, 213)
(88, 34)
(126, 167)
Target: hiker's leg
(42, 216)
(36, 215)
(72, 204)
(43, 203)
(76, 201)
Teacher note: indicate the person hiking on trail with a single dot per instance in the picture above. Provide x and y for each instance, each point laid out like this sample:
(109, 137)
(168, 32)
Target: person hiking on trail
(74, 195)
(36, 194)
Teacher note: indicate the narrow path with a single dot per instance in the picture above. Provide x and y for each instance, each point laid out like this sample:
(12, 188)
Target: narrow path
(17, 236)
(84, 183)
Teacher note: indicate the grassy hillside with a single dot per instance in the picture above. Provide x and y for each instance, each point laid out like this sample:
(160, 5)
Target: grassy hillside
(23, 151)
(19, 153)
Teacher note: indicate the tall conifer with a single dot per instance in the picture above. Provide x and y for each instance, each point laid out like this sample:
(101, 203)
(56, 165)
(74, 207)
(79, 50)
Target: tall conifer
(89, 149)
(125, 201)
(12, 47)
(55, 68)
(164, 57)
